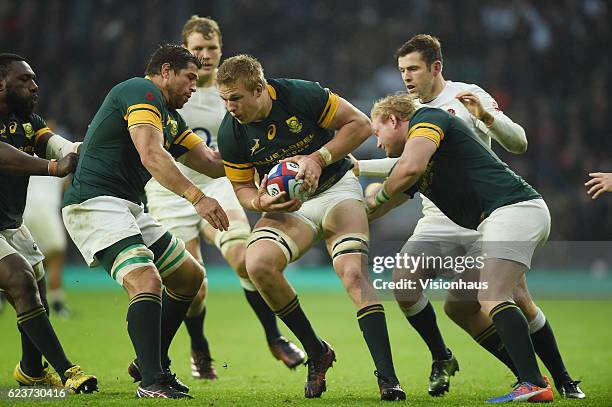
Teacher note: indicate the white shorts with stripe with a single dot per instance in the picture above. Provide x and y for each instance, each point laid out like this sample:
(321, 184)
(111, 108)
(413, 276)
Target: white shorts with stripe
(314, 211)
(100, 222)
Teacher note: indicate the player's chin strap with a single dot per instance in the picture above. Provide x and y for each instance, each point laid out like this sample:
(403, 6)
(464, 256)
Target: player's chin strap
(351, 243)
(280, 238)
(236, 235)
(58, 147)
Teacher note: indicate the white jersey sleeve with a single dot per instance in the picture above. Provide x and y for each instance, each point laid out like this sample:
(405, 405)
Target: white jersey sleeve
(507, 133)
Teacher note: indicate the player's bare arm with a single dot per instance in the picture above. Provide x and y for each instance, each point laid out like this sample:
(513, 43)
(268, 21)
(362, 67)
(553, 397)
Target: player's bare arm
(412, 164)
(204, 160)
(382, 209)
(148, 142)
(16, 162)
(353, 128)
(507, 133)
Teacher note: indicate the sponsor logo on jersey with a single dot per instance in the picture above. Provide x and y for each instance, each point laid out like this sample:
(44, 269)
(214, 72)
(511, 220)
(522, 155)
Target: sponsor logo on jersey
(28, 129)
(271, 131)
(294, 124)
(149, 96)
(12, 127)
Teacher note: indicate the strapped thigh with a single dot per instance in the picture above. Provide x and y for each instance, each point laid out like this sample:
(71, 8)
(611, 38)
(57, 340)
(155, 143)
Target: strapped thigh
(280, 238)
(350, 243)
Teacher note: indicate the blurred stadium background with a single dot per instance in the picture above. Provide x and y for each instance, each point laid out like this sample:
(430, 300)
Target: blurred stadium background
(546, 62)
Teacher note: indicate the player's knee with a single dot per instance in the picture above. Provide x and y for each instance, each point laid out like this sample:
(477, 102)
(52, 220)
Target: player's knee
(236, 259)
(143, 280)
(262, 269)
(22, 284)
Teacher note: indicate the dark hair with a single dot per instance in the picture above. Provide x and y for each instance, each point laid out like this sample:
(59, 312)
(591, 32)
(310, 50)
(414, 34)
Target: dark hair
(428, 45)
(175, 55)
(5, 60)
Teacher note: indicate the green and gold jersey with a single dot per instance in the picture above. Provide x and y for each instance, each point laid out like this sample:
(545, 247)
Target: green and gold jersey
(21, 134)
(464, 177)
(109, 163)
(296, 125)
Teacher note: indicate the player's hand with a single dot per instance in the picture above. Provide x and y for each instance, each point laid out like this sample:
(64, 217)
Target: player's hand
(66, 165)
(310, 171)
(473, 105)
(374, 212)
(209, 209)
(276, 203)
(600, 182)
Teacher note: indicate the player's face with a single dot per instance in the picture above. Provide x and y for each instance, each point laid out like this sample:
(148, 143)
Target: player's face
(181, 85)
(417, 76)
(207, 49)
(21, 90)
(241, 103)
(389, 137)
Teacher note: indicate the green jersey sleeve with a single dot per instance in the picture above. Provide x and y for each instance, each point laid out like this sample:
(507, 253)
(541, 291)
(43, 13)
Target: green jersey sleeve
(311, 98)
(430, 123)
(236, 161)
(141, 102)
(186, 139)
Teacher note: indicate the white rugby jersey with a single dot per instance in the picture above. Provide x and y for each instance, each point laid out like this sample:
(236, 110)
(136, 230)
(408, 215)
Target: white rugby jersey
(203, 113)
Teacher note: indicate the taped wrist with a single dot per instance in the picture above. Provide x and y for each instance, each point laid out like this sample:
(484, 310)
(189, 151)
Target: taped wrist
(193, 195)
(52, 167)
(58, 147)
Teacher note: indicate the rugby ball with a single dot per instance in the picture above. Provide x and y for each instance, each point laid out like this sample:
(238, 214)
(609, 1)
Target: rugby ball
(281, 178)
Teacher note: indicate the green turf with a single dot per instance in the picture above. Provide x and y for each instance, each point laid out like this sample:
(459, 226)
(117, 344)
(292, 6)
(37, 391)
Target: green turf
(97, 340)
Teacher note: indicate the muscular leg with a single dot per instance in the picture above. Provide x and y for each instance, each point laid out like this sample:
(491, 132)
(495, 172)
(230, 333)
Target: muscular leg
(180, 288)
(502, 277)
(346, 235)
(265, 262)
(234, 252)
(194, 318)
(17, 279)
(463, 308)
(420, 313)
(542, 335)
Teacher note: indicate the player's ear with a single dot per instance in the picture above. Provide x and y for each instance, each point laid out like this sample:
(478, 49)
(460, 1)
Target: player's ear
(394, 120)
(258, 90)
(165, 70)
(436, 68)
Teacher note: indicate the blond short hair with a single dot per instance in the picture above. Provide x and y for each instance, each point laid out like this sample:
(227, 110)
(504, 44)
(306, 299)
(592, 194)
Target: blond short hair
(241, 68)
(401, 105)
(203, 25)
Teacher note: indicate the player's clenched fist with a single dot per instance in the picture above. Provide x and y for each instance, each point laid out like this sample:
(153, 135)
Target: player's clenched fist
(65, 166)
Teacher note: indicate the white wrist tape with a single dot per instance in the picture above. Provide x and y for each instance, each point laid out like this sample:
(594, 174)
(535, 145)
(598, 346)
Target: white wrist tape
(379, 168)
(58, 147)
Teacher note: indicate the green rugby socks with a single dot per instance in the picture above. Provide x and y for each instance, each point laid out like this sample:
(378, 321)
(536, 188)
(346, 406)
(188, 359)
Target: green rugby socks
(143, 324)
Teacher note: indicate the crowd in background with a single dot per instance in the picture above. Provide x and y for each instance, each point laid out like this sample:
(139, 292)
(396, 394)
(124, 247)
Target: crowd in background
(546, 62)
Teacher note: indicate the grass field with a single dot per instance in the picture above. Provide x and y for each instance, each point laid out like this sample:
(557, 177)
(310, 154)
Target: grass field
(97, 340)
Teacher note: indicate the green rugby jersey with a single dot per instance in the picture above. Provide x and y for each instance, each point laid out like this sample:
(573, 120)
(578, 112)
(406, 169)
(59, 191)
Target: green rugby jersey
(464, 177)
(296, 125)
(21, 134)
(109, 163)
